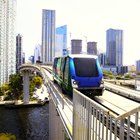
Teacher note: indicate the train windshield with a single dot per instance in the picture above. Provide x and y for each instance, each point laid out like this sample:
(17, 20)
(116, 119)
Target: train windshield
(86, 67)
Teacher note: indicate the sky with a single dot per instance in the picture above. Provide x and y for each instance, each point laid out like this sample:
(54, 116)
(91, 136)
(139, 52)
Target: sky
(85, 19)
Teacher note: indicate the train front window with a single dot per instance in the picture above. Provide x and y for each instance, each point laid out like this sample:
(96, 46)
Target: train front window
(86, 67)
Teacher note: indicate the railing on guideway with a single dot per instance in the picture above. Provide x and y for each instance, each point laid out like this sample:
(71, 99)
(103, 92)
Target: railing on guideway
(93, 122)
(84, 119)
(64, 108)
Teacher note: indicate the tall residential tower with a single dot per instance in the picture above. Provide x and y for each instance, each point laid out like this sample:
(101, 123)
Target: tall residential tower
(7, 39)
(48, 36)
(114, 47)
(19, 52)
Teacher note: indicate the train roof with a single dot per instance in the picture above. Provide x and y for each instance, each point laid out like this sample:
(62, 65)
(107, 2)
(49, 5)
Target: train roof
(82, 56)
(79, 56)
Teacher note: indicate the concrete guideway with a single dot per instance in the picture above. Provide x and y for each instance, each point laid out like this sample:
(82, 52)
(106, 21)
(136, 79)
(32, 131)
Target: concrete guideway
(132, 94)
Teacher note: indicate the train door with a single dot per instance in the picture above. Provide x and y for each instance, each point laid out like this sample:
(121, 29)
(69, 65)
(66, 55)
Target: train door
(58, 69)
(55, 67)
(66, 75)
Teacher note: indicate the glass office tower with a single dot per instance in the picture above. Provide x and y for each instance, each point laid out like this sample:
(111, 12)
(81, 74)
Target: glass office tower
(114, 47)
(7, 39)
(48, 36)
(61, 41)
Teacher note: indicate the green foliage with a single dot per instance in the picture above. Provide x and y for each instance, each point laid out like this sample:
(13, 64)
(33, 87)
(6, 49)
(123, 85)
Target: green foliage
(32, 87)
(16, 85)
(37, 80)
(108, 74)
(129, 76)
(7, 136)
(119, 77)
(4, 88)
(1, 93)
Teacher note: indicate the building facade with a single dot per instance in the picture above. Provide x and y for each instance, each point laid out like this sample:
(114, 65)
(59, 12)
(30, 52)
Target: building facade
(76, 46)
(101, 58)
(37, 54)
(19, 51)
(61, 41)
(138, 65)
(7, 39)
(114, 47)
(92, 48)
(48, 36)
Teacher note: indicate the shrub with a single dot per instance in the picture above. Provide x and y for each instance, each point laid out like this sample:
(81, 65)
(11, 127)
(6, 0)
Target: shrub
(7, 136)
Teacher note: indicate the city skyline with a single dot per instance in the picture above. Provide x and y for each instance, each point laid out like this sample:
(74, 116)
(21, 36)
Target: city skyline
(86, 20)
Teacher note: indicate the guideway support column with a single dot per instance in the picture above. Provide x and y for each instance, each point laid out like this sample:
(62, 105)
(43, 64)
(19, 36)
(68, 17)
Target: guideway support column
(26, 86)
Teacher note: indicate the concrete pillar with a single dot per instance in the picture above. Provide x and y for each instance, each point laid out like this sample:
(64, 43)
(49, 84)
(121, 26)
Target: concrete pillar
(26, 87)
(56, 128)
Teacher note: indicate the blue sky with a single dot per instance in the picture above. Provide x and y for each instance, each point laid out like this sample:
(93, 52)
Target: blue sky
(90, 18)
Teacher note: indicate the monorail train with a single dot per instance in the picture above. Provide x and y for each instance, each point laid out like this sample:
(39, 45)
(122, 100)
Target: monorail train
(80, 71)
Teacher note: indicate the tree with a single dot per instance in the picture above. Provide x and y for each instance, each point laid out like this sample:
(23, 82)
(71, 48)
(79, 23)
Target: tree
(4, 88)
(37, 80)
(16, 85)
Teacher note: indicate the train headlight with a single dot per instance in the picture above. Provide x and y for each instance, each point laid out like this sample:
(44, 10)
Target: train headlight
(74, 83)
(102, 84)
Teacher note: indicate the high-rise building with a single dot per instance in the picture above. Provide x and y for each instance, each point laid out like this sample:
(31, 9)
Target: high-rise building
(37, 54)
(23, 58)
(114, 47)
(138, 65)
(76, 46)
(101, 57)
(19, 51)
(61, 41)
(92, 48)
(7, 39)
(48, 36)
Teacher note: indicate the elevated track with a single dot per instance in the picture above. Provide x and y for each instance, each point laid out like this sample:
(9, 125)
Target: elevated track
(107, 117)
(113, 104)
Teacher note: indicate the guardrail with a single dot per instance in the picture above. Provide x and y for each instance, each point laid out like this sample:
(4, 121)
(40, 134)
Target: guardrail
(64, 109)
(91, 121)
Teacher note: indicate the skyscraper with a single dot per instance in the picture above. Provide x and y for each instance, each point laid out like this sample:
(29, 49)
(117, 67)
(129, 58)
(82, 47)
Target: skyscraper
(61, 41)
(19, 51)
(7, 39)
(48, 36)
(76, 46)
(37, 53)
(114, 47)
(138, 65)
(92, 48)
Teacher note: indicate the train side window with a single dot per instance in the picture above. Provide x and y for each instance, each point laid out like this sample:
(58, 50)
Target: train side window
(58, 66)
(66, 69)
(62, 64)
(55, 62)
